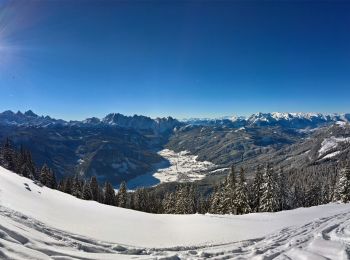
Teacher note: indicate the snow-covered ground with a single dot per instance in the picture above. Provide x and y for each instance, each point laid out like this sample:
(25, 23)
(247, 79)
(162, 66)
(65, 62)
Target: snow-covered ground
(183, 167)
(180, 167)
(331, 143)
(40, 223)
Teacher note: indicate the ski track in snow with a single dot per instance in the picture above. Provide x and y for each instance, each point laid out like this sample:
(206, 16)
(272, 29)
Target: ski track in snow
(22, 237)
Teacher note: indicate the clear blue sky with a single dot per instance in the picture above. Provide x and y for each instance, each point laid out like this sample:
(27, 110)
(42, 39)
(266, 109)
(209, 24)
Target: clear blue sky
(75, 59)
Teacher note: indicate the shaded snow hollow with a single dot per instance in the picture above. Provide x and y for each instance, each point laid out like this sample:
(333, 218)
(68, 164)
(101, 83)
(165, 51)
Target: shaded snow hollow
(41, 223)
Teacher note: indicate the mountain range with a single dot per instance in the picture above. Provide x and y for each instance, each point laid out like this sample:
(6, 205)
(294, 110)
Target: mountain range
(119, 147)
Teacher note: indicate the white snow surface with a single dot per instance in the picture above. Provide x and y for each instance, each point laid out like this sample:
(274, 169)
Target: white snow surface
(331, 143)
(41, 223)
(183, 167)
(330, 155)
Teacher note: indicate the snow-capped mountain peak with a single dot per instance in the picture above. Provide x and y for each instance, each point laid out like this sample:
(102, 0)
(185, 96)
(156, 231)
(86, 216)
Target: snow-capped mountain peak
(294, 120)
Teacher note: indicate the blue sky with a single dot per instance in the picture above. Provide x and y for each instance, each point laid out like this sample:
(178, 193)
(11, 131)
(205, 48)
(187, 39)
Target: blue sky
(76, 59)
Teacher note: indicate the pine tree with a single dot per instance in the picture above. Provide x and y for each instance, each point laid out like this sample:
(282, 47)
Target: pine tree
(94, 188)
(215, 201)
(21, 164)
(44, 175)
(283, 191)
(203, 206)
(343, 187)
(185, 199)
(313, 194)
(141, 200)
(191, 200)
(224, 197)
(227, 194)
(241, 200)
(109, 194)
(169, 203)
(257, 189)
(77, 189)
(87, 194)
(230, 192)
(180, 198)
(68, 185)
(269, 199)
(30, 165)
(9, 156)
(122, 195)
(60, 185)
(298, 195)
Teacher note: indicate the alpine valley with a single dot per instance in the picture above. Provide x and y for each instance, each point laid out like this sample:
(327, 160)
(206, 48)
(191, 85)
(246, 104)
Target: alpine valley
(144, 151)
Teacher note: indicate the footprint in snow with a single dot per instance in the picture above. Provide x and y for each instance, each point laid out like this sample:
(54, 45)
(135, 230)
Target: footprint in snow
(27, 186)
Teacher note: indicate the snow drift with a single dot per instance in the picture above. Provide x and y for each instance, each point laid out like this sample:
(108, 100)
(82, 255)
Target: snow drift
(41, 223)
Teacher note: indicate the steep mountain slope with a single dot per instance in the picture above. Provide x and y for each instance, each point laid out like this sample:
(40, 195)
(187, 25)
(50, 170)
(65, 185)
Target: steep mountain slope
(224, 146)
(119, 147)
(284, 146)
(40, 223)
(115, 148)
(110, 153)
(328, 146)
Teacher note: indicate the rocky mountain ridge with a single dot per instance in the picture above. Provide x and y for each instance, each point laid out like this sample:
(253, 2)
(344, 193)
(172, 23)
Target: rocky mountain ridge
(119, 147)
(291, 120)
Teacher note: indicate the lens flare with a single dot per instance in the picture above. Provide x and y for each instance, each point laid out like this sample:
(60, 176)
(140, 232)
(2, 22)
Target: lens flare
(16, 17)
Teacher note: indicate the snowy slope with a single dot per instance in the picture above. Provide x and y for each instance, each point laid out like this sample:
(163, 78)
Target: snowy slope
(39, 223)
(332, 143)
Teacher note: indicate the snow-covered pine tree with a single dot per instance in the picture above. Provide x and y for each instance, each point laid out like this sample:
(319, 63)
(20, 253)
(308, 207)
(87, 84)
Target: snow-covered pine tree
(131, 202)
(191, 199)
(241, 200)
(225, 197)
(313, 194)
(327, 190)
(9, 155)
(343, 186)
(44, 175)
(109, 194)
(68, 185)
(298, 195)
(100, 194)
(257, 189)
(231, 192)
(215, 200)
(30, 165)
(283, 191)
(60, 185)
(155, 203)
(202, 205)
(180, 199)
(168, 203)
(51, 179)
(20, 166)
(122, 196)
(141, 200)
(269, 199)
(87, 194)
(77, 187)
